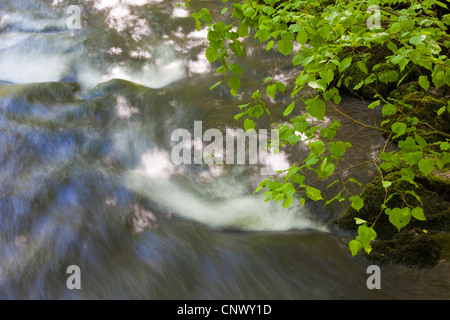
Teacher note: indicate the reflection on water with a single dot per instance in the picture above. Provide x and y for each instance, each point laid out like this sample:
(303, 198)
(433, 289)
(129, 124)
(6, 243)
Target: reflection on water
(87, 178)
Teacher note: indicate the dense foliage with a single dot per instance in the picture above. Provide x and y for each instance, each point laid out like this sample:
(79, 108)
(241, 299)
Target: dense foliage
(387, 42)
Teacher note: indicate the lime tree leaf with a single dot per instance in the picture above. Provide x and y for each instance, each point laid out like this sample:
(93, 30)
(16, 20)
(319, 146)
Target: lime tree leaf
(316, 108)
(287, 202)
(359, 220)
(234, 82)
(386, 184)
(399, 217)
(418, 214)
(363, 240)
(236, 68)
(374, 104)
(302, 38)
(388, 76)
(280, 86)
(345, 63)
(271, 90)
(299, 179)
(420, 141)
(426, 166)
(412, 158)
(285, 47)
(389, 109)
(355, 181)
(313, 193)
(362, 67)
(424, 83)
(366, 235)
(338, 148)
(399, 128)
(289, 109)
(355, 246)
(417, 39)
(215, 85)
(357, 202)
(249, 124)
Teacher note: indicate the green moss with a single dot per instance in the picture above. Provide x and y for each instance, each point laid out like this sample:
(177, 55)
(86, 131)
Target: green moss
(411, 248)
(423, 106)
(412, 245)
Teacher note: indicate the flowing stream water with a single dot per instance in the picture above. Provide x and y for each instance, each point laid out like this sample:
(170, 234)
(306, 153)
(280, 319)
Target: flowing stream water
(86, 179)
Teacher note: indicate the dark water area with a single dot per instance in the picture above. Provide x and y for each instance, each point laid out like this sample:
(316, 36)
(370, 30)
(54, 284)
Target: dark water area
(86, 179)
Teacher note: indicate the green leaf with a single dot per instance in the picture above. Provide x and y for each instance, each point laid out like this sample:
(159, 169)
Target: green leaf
(338, 148)
(211, 54)
(285, 46)
(355, 246)
(363, 240)
(389, 109)
(289, 109)
(417, 39)
(256, 111)
(215, 85)
(357, 202)
(362, 67)
(242, 31)
(424, 83)
(399, 128)
(236, 68)
(359, 220)
(299, 179)
(316, 108)
(408, 175)
(249, 124)
(386, 184)
(420, 141)
(355, 181)
(418, 214)
(271, 90)
(287, 202)
(270, 45)
(256, 94)
(249, 12)
(345, 63)
(280, 86)
(374, 104)
(302, 38)
(426, 166)
(399, 217)
(313, 193)
(234, 82)
(388, 76)
(412, 158)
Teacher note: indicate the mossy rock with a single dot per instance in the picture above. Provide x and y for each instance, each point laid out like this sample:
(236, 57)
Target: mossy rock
(413, 245)
(376, 57)
(425, 105)
(45, 92)
(411, 248)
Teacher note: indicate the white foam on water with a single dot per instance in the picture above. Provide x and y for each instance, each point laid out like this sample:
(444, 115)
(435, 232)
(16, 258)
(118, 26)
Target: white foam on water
(150, 75)
(219, 203)
(30, 57)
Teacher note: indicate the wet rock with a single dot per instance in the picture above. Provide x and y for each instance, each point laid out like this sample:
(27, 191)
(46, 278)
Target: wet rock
(414, 245)
(424, 106)
(141, 219)
(45, 93)
(412, 248)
